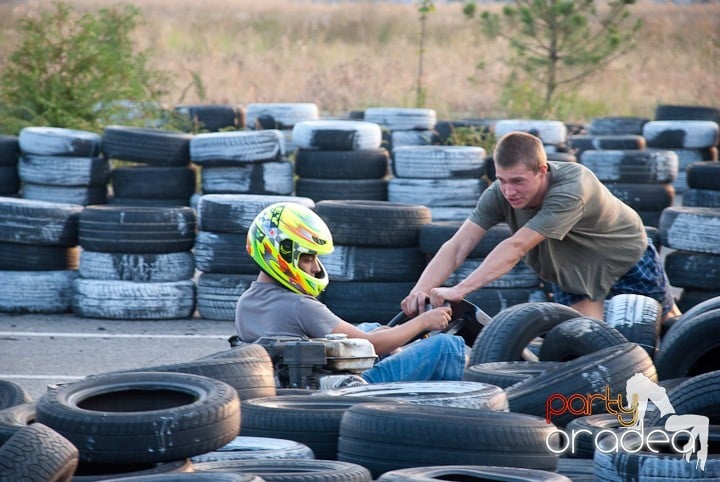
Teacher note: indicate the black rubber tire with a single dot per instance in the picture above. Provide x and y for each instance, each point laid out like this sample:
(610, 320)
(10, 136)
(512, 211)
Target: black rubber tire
(690, 347)
(434, 234)
(704, 175)
(359, 301)
(217, 294)
(609, 367)
(268, 178)
(255, 448)
(191, 477)
(94, 472)
(36, 291)
(386, 437)
(82, 195)
(58, 141)
(154, 182)
(511, 330)
(373, 223)
(470, 472)
(137, 229)
(148, 146)
(690, 298)
(9, 180)
(580, 143)
(444, 393)
(64, 171)
(637, 317)
(37, 257)
(234, 213)
(585, 446)
(356, 164)
(697, 395)
(342, 189)
(251, 377)
(691, 229)
(37, 453)
(644, 197)
(617, 125)
(223, 253)
(576, 337)
(117, 300)
(14, 418)
(12, 394)
(313, 420)
(687, 269)
(494, 300)
(39, 222)
(212, 117)
(291, 470)
(149, 268)
(686, 112)
(142, 417)
(506, 374)
(364, 263)
(9, 150)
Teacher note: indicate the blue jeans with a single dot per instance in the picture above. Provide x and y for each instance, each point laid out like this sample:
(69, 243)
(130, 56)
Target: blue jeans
(439, 357)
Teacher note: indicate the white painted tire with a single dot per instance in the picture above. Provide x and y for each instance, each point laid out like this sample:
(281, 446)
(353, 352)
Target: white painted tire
(243, 448)
(436, 192)
(688, 134)
(271, 178)
(402, 118)
(234, 213)
(691, 229)
(36, 291)
(336, 135)
(129, 300)
(149, 268)
(549, 131)
(237, 147)
(57, 141)
(438, 162)
(411, 138)
(287, 114)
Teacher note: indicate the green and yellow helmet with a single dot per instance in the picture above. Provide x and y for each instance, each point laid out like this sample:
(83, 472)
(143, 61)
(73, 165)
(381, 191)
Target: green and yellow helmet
(278, 236)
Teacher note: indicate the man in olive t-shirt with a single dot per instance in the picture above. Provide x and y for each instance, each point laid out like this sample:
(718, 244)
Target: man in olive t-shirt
(566, 225)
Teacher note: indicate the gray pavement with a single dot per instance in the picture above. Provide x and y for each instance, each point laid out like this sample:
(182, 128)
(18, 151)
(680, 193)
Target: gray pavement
(40, 349)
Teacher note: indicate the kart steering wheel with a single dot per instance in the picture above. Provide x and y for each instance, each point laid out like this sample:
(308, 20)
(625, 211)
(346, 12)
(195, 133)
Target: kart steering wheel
(466, 320)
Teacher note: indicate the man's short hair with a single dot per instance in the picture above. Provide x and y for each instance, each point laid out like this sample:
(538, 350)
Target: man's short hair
(520, 148)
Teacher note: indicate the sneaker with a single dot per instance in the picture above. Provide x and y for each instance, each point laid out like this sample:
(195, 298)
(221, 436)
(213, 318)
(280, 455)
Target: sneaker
(341, 381)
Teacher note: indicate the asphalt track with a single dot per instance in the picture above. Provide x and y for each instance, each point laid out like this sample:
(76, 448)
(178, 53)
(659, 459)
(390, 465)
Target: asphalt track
(40, 349)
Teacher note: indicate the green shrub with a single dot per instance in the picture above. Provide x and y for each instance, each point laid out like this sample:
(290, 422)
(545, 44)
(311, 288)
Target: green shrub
(77, 71)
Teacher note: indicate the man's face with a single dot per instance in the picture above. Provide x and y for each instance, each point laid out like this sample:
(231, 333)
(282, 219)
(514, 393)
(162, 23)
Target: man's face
(309, 263)
(522, 187)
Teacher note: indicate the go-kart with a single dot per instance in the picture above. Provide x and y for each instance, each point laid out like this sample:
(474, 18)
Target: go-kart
(301, 362)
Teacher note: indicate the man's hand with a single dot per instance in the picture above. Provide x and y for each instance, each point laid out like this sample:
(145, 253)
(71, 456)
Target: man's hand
(414, 303)
(437, 318)
(438, 296)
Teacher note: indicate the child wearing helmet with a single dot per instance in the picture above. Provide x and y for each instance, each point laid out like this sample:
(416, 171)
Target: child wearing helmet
(285, 240)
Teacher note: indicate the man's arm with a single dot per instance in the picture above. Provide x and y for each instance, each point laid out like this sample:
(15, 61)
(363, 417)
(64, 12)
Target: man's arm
(497, 263)
(390, 338)
(450, 255)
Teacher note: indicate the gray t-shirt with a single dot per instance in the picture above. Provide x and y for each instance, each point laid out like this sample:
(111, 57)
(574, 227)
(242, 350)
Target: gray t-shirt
(593, 238)
(268, 309)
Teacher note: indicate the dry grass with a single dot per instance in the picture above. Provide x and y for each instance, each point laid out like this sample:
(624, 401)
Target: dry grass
(354, 55)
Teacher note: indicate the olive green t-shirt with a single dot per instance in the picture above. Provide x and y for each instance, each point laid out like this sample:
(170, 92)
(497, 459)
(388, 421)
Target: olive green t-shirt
(592, 237)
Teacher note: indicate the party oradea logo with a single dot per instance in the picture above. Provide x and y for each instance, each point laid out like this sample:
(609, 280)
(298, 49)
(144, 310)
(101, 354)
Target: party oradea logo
(682, 433)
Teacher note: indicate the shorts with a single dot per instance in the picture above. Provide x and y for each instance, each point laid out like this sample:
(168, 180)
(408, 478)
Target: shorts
(646, 278)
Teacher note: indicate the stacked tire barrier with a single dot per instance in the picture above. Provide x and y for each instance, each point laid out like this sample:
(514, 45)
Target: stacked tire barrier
(552, 133)
(687, 156)
(692, 141)
(38, 255)
(243, 162)
(281, 116)
(703, 185)
(376, 259)
(447, 179)
(340, 159)
(156, 170)
(136, 263)
(642, 178)
(404, 125)
(9, 157)
(520, 285)
(693, 232)
(226, 269)
(62, 165)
